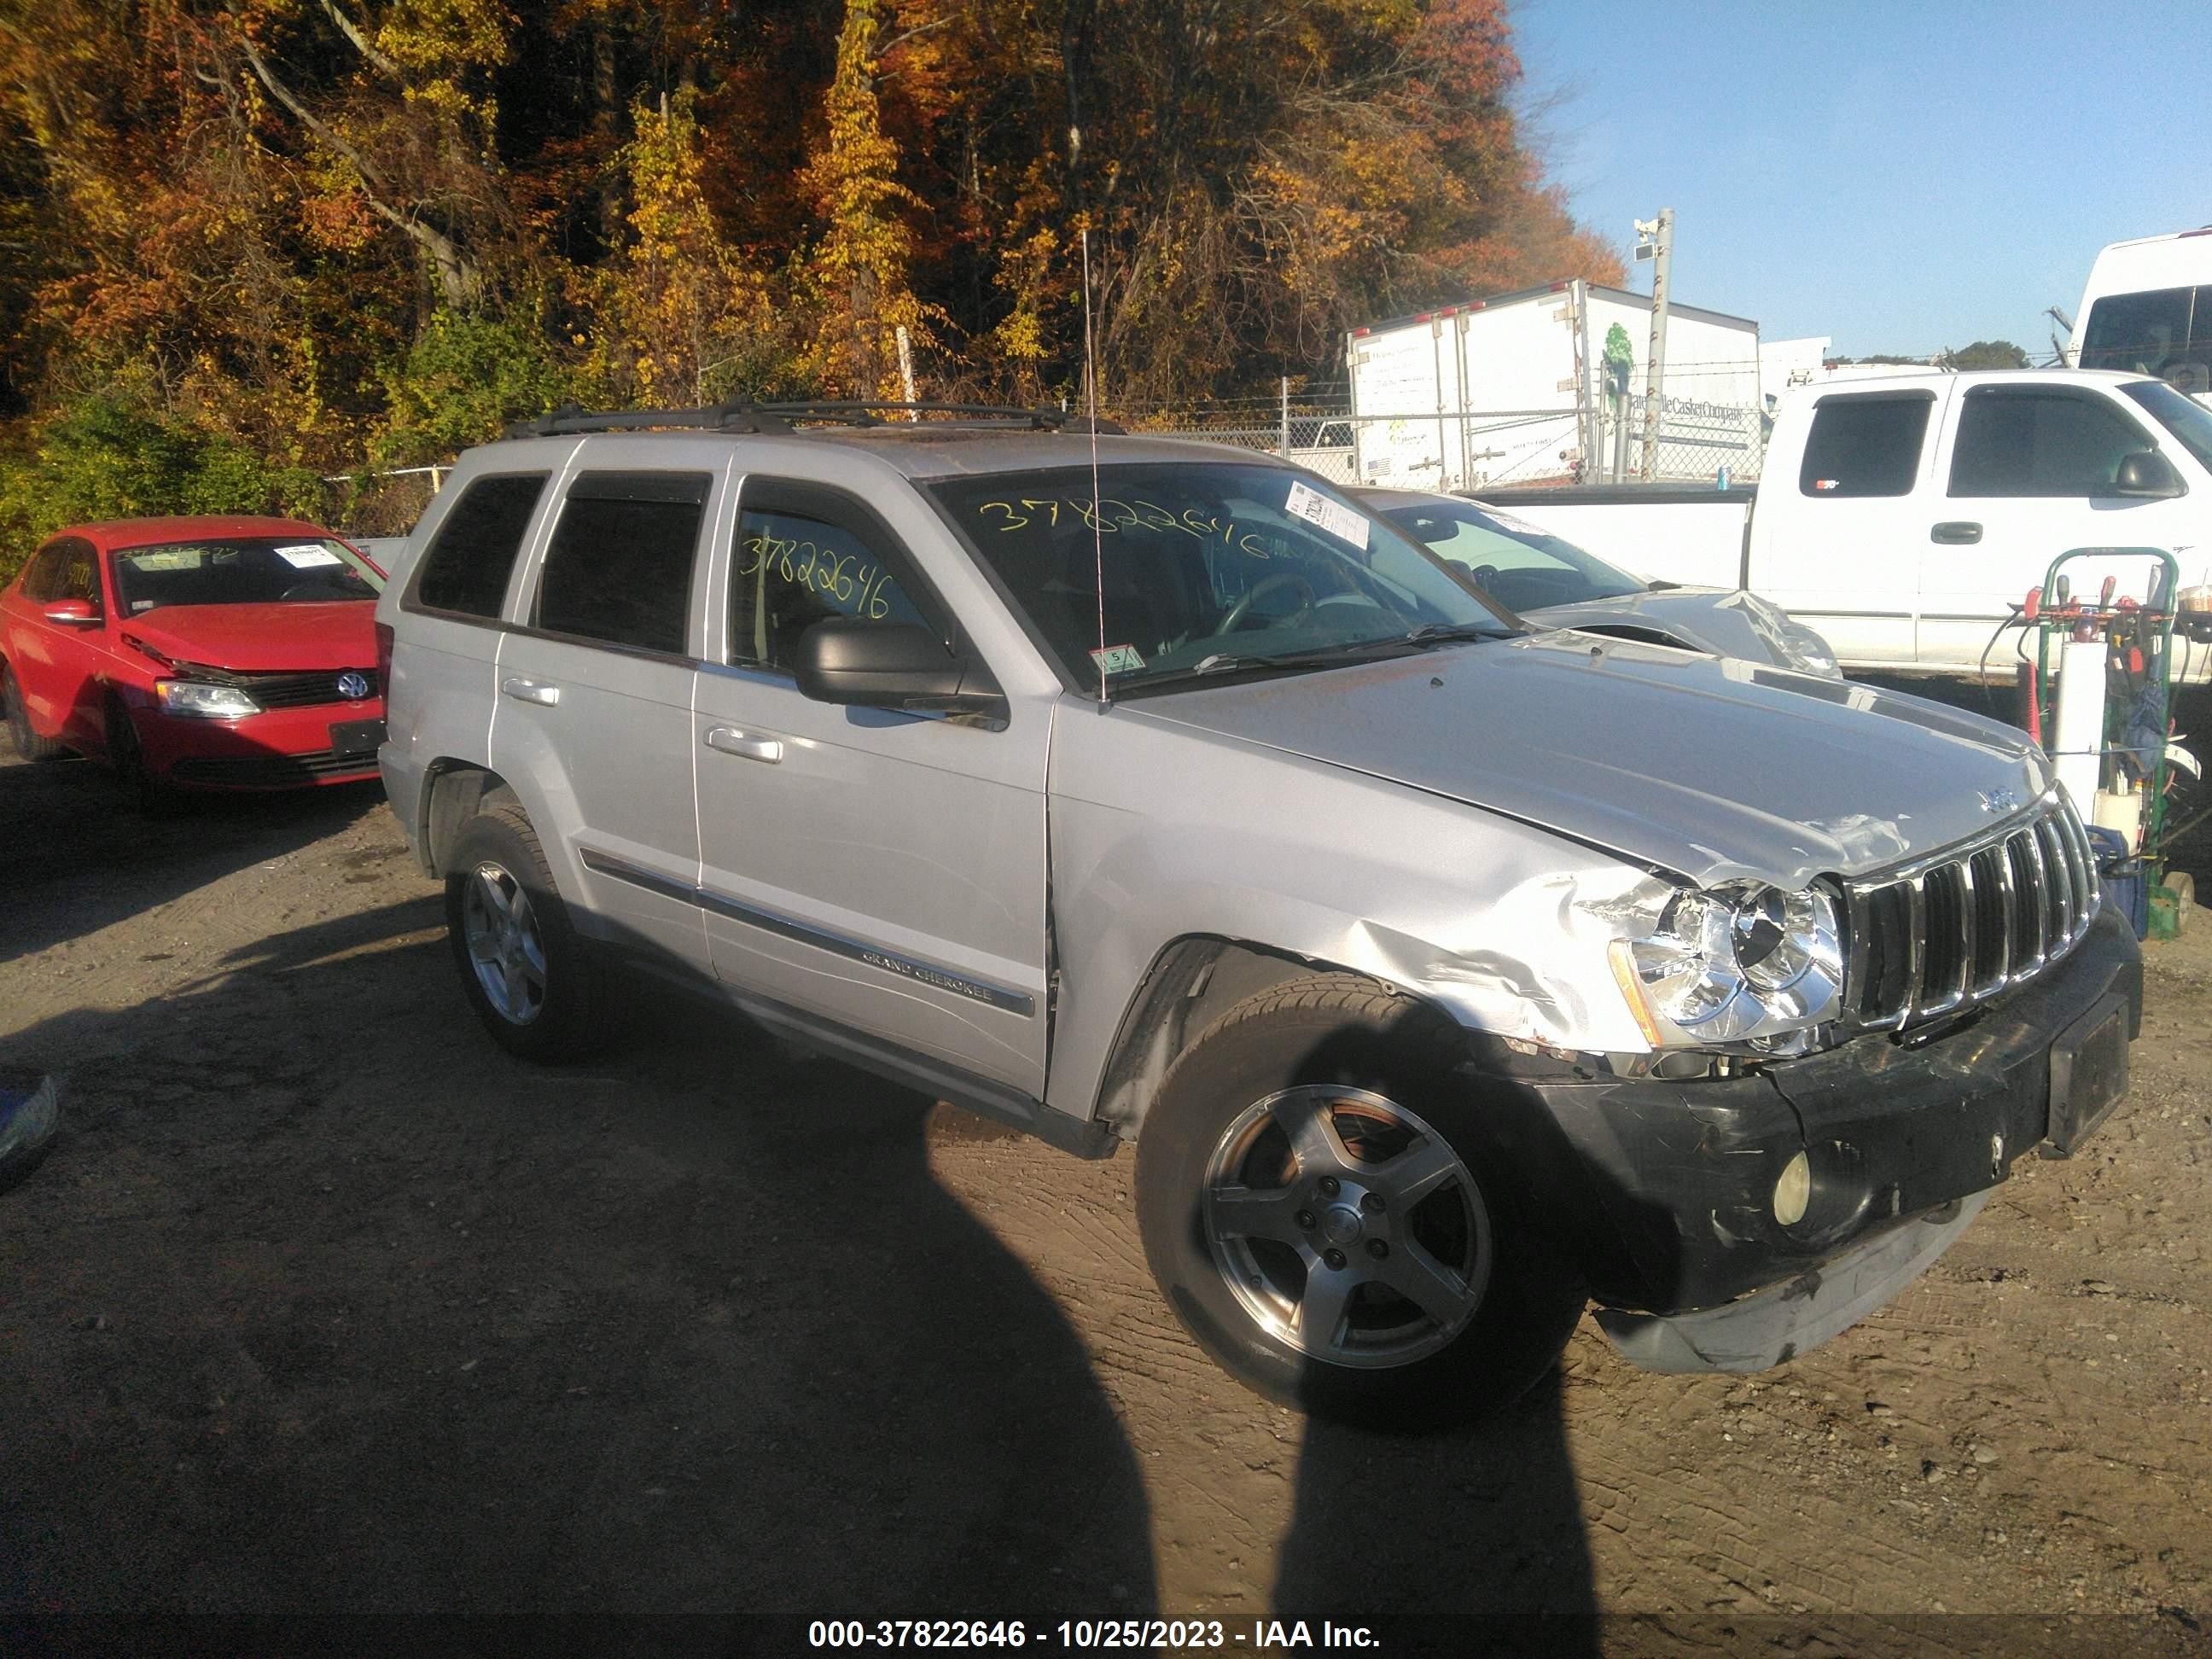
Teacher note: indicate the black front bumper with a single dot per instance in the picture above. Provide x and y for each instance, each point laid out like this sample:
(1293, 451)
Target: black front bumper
(1662, 1192)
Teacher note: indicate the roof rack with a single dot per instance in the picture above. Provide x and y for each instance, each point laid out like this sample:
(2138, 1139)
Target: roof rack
(741, 414)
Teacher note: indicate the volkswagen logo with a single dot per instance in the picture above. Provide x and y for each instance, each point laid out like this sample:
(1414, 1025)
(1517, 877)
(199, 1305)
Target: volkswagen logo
(353, 686)
(1993, 800)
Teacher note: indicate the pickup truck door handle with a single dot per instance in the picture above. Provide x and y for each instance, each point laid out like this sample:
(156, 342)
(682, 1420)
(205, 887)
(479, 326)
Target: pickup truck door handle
(1957, 533)
(536, 691)
(728, 740)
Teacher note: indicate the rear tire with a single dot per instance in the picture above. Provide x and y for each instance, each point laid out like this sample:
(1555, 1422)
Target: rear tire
(527, 973)
(28, 744)
(1319, 1205)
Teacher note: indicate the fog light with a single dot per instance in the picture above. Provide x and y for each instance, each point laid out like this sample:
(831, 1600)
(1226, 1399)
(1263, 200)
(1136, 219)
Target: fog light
(1794, 1192)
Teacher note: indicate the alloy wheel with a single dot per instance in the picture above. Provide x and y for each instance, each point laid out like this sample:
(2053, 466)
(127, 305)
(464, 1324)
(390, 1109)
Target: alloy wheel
(1346, 1226)
(505, 947)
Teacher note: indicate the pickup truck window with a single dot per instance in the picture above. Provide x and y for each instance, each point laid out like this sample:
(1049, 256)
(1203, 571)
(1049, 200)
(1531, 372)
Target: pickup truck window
(1865, 444)
(619, 569)
(2040, 440)
(790, 570)
(1205, 562)
(2163, 331)
(2184, 417)
(465, 568)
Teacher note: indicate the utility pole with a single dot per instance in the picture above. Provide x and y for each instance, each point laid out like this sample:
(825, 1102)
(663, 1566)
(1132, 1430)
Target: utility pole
(1654, 240)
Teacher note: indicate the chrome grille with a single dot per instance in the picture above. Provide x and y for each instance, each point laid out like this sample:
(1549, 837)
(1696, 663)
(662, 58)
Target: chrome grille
(1972, 922)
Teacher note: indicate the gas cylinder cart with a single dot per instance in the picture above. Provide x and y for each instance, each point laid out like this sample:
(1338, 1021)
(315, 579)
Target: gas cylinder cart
(2101, 705)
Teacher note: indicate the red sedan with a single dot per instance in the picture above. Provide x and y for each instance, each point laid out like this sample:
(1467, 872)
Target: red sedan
(200, 653)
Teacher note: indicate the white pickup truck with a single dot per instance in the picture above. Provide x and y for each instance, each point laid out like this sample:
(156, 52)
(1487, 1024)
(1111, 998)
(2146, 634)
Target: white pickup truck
(1903, 517)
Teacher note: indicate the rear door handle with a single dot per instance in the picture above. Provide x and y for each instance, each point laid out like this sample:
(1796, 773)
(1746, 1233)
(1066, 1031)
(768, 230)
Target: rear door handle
(536, 691)
(728, 740)
(1956, 532)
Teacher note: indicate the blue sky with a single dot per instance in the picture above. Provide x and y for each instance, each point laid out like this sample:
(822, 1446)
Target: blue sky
(1904, 178)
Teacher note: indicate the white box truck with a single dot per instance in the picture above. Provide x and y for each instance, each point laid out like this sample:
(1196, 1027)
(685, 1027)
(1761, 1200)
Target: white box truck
(2146, 309)
(1516, 389)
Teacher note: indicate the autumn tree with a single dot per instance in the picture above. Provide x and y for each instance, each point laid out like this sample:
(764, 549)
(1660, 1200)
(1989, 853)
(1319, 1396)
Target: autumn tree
(682, 317)
(252, 243)
(855, 274)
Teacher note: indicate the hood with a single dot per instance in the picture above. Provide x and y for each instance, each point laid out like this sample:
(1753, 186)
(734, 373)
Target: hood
(290, 634)
(1726, 621)
(1710, 768)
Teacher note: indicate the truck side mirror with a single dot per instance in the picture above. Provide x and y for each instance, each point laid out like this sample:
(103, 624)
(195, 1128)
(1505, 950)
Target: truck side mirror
(2146, 473)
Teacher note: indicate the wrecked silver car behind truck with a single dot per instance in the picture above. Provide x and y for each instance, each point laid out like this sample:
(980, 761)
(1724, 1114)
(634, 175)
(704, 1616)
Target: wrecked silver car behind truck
(1445, 973)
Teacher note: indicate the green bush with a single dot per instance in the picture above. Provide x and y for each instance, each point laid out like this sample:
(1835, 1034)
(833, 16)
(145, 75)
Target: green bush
(100, 456)
(464, 379)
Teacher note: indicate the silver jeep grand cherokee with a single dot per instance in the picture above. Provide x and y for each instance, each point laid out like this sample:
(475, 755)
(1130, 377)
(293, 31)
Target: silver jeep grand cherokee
(1446, 973)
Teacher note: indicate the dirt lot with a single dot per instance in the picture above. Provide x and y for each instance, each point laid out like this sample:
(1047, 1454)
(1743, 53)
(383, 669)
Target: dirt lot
(323, 1303)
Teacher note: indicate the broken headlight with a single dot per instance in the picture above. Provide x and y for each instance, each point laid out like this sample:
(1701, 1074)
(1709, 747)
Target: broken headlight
(1744, 964)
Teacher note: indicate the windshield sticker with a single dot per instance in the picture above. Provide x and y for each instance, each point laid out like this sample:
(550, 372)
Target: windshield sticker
(308, 554)
(1118, 659)
(1316, 508)
(1512, 526)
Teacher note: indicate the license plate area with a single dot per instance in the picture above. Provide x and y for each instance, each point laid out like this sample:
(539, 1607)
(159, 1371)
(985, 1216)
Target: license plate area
(2088, 1074)
(356, 737)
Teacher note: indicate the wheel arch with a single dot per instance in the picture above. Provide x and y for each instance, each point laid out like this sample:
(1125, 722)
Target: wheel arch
(1191, 982)
(454, 792)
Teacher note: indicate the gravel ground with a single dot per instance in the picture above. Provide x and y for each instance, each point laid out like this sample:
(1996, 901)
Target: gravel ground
(322, 1303)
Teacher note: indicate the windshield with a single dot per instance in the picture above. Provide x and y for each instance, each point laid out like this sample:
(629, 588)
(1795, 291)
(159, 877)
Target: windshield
(1526, 567)
(242, 570)
(1208, 565)
(2184, 417)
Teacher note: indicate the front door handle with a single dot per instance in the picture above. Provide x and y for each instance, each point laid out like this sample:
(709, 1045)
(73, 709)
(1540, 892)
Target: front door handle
(1956, 532)
(525, 690)
(728, 740)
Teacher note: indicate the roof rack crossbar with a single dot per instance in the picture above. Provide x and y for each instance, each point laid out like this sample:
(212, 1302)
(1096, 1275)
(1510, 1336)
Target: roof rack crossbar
(743, 416)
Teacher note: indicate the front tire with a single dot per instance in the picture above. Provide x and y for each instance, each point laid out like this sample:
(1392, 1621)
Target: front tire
(1320, 1205)
(28, 744)
(527, 971)
(153, 797)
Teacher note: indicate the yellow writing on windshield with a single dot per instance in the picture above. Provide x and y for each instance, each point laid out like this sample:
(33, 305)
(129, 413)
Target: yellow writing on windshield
(1111, 517)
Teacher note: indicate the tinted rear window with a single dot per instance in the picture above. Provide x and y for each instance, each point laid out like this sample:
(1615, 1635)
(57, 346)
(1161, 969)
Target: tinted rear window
(467, 564)
(619, 569)
(1865, 445)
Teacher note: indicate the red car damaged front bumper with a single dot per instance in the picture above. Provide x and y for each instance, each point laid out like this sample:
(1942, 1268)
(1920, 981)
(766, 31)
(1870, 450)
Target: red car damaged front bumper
(277, 749)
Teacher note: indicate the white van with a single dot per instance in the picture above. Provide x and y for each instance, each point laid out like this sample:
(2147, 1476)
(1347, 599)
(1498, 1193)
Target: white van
(2148, 310)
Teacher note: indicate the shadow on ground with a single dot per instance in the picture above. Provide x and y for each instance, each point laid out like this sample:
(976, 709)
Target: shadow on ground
(78, 859)
(325, 1303)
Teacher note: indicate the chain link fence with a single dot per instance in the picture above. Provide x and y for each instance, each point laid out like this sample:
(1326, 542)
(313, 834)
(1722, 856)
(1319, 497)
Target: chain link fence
(1695, 442)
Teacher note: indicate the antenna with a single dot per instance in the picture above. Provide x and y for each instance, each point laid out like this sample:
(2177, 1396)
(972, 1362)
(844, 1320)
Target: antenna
(1097, 525)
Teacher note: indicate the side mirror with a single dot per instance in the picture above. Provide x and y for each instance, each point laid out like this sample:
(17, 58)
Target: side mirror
(891, 665)
(2146, 473)
(74, 613)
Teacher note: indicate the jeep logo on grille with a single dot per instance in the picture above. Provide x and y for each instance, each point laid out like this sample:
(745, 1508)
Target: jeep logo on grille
(1993, 800)
(353, 685)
